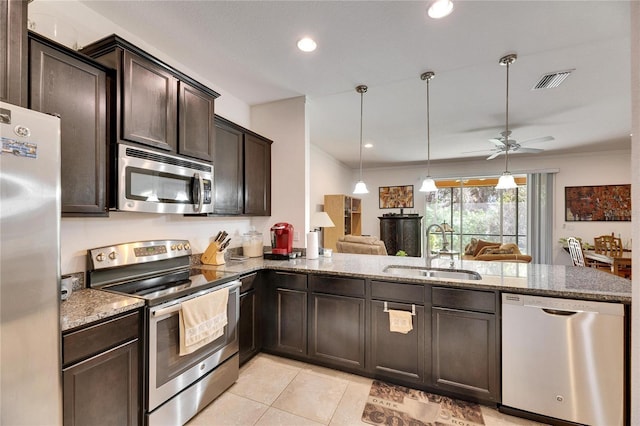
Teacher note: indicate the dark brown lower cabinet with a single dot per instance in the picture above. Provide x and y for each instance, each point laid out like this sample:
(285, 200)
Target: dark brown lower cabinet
(101, 373)
(337, 321)
(249, 326)
(337, 327)
(465, 357)
(286, 316)
(103, 390)
(393, 354)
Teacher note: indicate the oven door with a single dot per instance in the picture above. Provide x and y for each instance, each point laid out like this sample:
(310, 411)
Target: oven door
(152, 182)
(169, 373)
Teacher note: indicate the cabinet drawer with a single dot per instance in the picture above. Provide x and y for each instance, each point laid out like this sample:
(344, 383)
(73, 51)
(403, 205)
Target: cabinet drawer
(337, 285)
(289, 280)
(97, 338)
(471, 300)
(397, 291)
(248, 282)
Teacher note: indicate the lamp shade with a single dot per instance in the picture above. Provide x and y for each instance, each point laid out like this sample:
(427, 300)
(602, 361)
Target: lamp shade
(506, 181)
(428, 185)
(446, 227)
(321, 220)
(361, 188)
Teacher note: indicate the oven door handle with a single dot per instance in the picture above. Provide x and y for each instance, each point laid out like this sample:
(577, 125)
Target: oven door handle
(177, 306)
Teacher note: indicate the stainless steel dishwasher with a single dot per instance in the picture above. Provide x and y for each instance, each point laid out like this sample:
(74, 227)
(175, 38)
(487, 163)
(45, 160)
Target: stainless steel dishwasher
(563, 358)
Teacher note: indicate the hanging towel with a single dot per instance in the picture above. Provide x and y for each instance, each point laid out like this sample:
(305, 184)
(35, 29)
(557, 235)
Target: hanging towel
(400, 321)
(202, 320)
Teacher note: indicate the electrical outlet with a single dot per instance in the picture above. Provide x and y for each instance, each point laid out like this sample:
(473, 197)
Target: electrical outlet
(296, 235)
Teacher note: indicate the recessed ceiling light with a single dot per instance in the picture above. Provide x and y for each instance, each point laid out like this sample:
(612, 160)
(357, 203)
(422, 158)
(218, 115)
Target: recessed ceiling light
(440, 8)
(368, 145)
(307, 44)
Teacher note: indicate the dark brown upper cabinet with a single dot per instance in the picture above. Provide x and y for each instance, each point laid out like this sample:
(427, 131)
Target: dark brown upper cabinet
(228, 169)
(149, 103)
(257, 176)
(157, 105)
(242, 171)
(75, 88)
(13, 52)
(196, 113)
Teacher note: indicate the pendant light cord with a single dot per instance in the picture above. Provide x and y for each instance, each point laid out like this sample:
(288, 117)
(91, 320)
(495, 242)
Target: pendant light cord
(428, 134)
(506, 133)
(507, 61)
(427, 76)
(361, 108)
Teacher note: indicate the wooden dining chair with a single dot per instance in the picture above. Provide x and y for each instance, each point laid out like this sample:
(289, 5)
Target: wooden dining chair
(575, 250)
(608, 245)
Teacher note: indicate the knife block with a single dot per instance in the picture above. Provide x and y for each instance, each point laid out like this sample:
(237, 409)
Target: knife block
(212, 255)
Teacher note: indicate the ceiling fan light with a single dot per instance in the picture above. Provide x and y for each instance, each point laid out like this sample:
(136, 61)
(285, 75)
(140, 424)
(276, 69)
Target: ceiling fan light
(361, 188)
(440, 9)
(506, 181)
(428, 185)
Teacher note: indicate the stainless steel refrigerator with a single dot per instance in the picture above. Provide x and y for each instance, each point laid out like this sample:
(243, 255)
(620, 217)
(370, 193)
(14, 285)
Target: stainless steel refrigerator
(30, 368)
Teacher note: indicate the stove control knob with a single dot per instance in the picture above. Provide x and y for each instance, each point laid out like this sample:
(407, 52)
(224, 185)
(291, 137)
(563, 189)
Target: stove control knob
(187, 246)
(173, 246)
(179, 246)
(100, 257)
(113, 255)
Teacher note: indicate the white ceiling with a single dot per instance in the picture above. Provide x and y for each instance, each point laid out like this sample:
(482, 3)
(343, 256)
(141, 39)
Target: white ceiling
(248, 48)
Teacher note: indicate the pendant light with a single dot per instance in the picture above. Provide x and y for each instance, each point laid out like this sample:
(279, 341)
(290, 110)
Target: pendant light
(506, 181)
(361, 187)
(428, 184)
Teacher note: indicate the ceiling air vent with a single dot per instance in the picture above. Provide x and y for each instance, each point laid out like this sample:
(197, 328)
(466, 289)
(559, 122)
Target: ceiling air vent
(551, 80)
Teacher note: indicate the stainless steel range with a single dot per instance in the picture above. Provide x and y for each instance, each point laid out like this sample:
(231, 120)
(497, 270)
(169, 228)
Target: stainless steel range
(176, 387)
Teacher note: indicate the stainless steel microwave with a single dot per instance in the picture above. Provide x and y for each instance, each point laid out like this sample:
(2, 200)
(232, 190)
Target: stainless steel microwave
(154, 182)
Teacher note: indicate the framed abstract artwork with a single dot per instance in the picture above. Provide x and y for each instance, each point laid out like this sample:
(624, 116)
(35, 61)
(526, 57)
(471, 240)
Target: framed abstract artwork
(396, 197)
(603, 203)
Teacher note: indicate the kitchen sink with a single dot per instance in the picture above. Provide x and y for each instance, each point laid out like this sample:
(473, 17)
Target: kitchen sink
(418, 271)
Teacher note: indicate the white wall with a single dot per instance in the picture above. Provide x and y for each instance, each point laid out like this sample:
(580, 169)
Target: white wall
(285, 123)
(328, 176)
(597, 168)
(635, 180)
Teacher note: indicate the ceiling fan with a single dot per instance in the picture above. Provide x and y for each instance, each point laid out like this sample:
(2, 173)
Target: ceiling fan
(514, 146)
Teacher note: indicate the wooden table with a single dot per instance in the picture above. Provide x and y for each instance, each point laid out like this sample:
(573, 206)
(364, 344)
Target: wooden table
(617, 264)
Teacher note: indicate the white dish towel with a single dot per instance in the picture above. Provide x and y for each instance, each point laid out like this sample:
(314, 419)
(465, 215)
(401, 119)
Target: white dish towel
(400, 321)
(202, 320)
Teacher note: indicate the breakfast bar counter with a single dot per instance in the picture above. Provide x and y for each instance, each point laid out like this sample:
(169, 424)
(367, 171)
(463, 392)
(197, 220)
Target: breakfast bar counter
(525, 278)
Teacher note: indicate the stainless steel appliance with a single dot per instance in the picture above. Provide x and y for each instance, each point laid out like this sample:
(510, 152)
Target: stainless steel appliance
(30, 377)
(176, 387)
(154, 182)
(564, 358)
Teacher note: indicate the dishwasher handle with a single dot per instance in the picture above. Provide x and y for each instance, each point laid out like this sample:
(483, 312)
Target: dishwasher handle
(559, 312)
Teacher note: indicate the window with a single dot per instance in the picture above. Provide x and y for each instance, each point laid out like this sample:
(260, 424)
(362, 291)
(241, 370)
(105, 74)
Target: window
(474, 208)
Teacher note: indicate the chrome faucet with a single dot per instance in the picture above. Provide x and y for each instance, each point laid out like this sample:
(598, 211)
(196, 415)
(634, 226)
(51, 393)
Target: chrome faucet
(428, 256)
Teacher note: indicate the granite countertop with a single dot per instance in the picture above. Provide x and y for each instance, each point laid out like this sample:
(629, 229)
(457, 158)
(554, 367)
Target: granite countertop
(88, 305)
(527, 278)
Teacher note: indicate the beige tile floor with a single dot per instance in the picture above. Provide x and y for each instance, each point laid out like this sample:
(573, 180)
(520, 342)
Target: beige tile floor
(279, 391)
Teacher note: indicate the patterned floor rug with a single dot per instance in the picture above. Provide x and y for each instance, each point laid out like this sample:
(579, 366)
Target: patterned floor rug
(396, 405)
